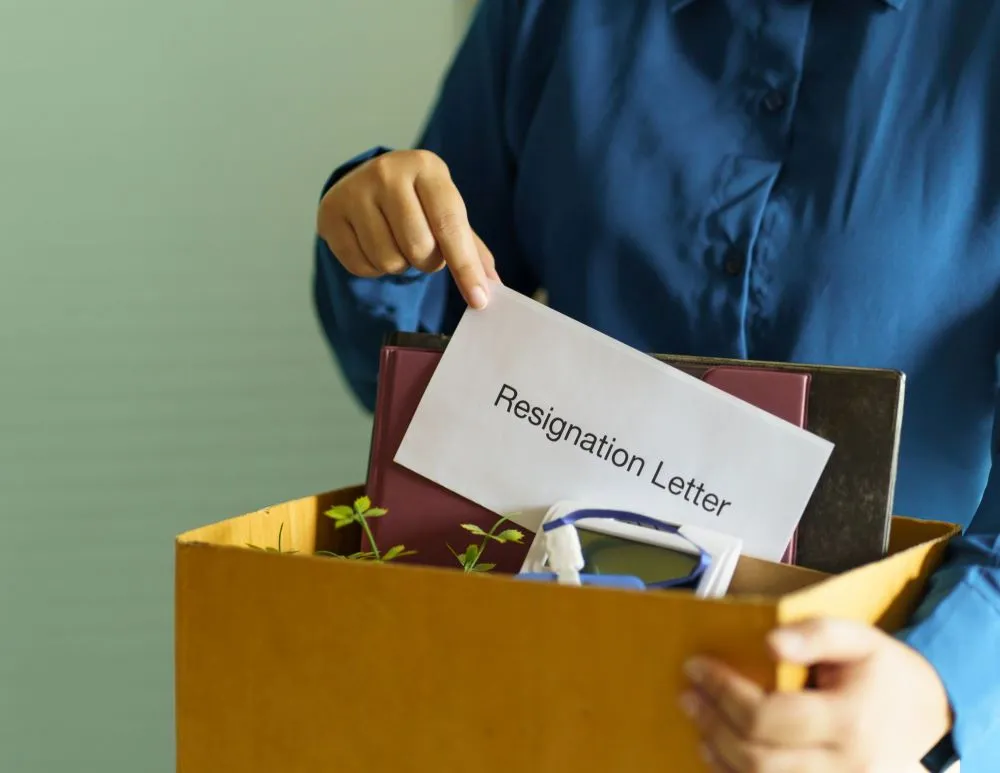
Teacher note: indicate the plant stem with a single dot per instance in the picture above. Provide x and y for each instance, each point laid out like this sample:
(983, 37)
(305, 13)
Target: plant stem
(368, 533)
(482, 547)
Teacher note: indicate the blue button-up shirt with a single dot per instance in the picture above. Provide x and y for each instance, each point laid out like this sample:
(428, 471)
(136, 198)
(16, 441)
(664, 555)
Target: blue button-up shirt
(801, 181)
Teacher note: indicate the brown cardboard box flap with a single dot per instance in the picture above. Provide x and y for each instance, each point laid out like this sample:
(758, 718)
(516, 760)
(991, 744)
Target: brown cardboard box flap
(302, 663)
(883, 593)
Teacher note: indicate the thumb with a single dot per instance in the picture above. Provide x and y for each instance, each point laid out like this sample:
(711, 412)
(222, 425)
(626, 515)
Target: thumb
(825, 640)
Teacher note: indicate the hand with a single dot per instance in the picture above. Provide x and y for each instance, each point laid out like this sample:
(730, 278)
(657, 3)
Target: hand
(877, 707)
(401, 209)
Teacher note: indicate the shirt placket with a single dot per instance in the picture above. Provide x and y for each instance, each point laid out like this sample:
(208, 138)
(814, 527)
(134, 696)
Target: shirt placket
(752, 196)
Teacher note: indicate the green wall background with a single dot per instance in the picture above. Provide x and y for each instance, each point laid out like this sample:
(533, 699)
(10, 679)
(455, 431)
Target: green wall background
(160, 364)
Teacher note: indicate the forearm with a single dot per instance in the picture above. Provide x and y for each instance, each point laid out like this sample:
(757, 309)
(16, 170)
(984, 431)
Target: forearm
(957, 629)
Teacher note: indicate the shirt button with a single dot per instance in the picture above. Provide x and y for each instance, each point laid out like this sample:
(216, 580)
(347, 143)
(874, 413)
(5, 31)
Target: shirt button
(733, 265)
(774, 101)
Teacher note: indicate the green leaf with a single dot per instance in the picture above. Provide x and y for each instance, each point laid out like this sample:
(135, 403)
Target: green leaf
(396, 552)
(257, 547)
(340, 513)
(484, 567)
(327, 553)
(363, 555)
(474, 529)
(470, 555)
(510, 535)
(361, 505)
(375, 512)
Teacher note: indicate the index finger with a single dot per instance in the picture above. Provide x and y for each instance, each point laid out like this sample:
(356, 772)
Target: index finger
(449, 223)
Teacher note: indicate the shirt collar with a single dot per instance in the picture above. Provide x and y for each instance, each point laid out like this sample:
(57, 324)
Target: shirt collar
(676, 5)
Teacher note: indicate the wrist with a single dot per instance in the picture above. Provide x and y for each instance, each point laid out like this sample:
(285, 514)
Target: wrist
(936, 712)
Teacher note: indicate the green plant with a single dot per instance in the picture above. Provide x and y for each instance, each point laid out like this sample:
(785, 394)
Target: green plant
(343, 515)
(469, 559)
(278, 549)
(361, 511)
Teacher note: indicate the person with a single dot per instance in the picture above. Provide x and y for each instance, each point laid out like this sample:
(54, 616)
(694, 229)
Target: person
(796, 181)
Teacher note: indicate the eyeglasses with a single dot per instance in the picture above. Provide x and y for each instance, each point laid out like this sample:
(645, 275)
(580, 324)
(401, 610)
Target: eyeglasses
(624, 543)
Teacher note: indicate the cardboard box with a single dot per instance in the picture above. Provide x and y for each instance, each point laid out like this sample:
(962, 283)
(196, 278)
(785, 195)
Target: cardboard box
(302, 663)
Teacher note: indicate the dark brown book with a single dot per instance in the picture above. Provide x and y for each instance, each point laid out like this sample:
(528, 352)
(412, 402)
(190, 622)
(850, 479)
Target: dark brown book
(845, 524)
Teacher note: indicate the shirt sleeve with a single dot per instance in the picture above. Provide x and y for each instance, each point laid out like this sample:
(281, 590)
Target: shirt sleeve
(957, 628)
(466, 129)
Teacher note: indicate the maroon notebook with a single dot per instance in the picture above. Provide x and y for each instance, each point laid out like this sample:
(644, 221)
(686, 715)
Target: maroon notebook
(426, 517)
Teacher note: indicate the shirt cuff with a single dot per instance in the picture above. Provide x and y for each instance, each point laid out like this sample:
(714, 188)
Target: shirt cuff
(960, 638)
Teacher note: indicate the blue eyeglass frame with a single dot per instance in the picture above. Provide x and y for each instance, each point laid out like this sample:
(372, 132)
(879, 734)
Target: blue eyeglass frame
(636, 519)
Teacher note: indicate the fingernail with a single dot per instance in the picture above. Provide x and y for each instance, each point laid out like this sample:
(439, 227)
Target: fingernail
(695, 670)
(787, 643)
(689, 704)
(477, 297)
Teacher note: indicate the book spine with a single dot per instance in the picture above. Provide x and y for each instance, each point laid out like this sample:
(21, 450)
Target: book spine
(383, 402)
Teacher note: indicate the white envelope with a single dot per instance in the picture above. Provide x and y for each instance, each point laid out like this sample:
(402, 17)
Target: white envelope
(528, 407)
